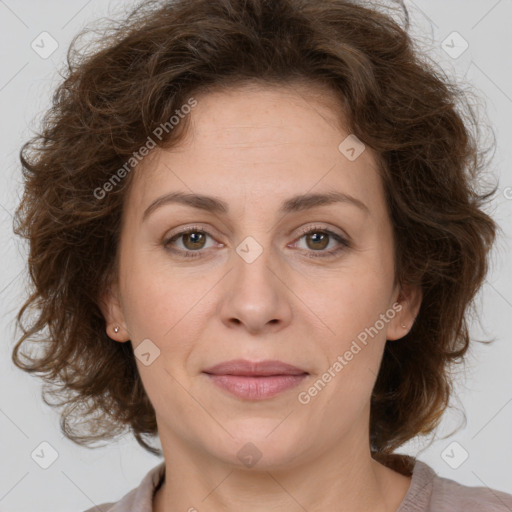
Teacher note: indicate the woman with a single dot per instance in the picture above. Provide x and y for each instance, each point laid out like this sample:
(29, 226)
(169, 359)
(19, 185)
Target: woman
(254, 231)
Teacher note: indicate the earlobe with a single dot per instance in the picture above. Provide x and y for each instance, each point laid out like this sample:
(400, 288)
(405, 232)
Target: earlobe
(110, 306)
(410, 299)
(117, 333)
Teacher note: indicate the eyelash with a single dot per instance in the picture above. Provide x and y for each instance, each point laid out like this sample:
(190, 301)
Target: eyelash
(313, 254)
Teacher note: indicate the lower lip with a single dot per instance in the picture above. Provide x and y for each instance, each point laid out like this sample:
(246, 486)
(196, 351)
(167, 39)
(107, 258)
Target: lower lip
(256, 388)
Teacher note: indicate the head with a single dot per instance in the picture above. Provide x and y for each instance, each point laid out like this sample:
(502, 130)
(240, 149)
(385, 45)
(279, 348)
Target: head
(257, 106)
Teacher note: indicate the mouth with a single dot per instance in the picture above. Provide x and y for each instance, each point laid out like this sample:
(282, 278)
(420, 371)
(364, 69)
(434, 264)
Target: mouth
(252, 380)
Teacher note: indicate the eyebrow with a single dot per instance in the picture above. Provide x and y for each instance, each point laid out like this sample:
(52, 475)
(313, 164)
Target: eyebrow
(215, 205)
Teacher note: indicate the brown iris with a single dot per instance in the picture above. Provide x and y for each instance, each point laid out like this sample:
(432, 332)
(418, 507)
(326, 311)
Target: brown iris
(318, 236)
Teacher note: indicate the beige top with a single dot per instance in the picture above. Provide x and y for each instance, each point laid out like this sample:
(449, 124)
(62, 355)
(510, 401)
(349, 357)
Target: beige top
(427, 493)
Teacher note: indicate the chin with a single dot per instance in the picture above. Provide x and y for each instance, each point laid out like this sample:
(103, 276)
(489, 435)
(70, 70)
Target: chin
(258, 444)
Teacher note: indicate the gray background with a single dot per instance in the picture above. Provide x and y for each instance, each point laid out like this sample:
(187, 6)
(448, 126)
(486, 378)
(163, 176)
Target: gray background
(80, 477)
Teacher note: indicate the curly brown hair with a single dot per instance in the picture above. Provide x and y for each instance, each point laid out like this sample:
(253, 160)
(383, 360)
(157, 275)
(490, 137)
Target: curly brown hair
(422, 127)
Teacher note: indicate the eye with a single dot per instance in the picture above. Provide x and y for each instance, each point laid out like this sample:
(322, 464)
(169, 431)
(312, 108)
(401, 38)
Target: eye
(317, 240)
(193, 240)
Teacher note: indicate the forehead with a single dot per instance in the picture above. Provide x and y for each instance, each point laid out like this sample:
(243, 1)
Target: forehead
(252, 115)
(260, 141)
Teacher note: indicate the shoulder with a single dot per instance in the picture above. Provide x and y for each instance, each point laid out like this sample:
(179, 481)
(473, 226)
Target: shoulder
(454, 496)
(429, 492)
(139, 499)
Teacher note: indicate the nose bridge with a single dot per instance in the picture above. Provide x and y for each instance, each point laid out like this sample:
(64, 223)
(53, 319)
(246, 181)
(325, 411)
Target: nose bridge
(255, 296)
(253, 261)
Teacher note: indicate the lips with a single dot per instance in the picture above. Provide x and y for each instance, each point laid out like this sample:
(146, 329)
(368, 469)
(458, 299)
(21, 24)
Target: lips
(251, 380)
(246, 368)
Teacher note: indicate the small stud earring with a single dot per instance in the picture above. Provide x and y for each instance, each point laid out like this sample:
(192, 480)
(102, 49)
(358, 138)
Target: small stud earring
(116, 329)
(404, 326)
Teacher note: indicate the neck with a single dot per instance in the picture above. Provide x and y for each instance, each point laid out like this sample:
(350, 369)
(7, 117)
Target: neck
(345, 481)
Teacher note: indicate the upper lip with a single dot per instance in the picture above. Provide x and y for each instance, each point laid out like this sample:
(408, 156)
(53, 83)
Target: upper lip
(254, 368)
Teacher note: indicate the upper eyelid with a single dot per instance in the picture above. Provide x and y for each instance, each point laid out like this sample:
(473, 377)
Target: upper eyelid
(208, 230)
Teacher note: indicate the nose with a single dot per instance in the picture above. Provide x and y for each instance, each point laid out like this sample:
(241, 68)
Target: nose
(256, 296)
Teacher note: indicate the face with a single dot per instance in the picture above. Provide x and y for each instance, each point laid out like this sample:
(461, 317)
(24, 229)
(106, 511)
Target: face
(265, 275)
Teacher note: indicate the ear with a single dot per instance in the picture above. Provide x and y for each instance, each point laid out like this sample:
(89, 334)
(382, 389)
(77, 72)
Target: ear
(407, 306)
(112, 310)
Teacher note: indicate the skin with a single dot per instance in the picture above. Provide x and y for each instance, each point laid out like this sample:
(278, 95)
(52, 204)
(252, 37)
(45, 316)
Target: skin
(255, 147)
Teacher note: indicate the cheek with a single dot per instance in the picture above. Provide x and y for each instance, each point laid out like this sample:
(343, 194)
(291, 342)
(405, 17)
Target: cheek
(353, 351)
(168, 307)
(154, 299)
(350, 307)
(157, 310)
(353, 299)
